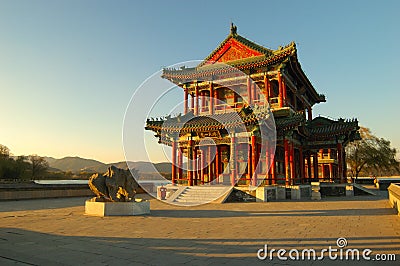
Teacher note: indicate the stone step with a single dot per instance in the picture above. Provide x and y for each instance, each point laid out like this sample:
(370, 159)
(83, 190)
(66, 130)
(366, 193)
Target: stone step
(200, 194)
(360, 187)
(197, 197)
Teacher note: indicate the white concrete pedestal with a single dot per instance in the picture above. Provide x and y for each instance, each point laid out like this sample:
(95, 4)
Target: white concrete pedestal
(315, 194)
(117, 208)
(349, 190)
(266, 193)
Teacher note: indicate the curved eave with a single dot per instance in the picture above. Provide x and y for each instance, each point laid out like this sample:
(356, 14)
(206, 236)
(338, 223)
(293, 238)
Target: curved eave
(207, 123)
(289, 123)
(295, 65)
(208, 71)
(335, 130)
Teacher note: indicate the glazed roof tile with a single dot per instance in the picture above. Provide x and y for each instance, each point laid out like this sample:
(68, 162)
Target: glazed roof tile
(269, 57)
(331, 127)
(189, 122)
(313, 129)
(241, 40)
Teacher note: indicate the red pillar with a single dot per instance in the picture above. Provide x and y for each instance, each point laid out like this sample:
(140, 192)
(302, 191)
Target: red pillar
(292, 166)
(250, 97)
(196, 109)
(202, 101)
(284, 93)
(202, 165)
(273, 170)
(272, 166)
(330, 172)
(309, 169)
(233, 160)
(180, 170)
(192, 102)
(215, 98)
(315, 166)
(266, 88)
(267, 161)
(344, 165)
(309, 112)
(190, 171)
(210, 166)
(194, 158)
(340, 162)
(217, 163)
(185, 110)
(280, 99)
(198, 164)
(302, 170)
(321, 151)
(287, 173)
(211, 98)
(249, 163)
(254, 92)
(258, 158)
(173, 179)
(253, 160)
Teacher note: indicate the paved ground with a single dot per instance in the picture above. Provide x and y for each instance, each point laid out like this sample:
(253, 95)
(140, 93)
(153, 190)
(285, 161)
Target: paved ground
(56, 231)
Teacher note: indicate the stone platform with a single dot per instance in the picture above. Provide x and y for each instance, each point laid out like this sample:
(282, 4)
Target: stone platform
(117, 208)
(56, 231)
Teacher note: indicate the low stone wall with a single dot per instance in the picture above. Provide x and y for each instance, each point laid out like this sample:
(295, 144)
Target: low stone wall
(384, 183)
(394, 196)
(335, 190)
(45, 192)
(23, 191)
(277, 192)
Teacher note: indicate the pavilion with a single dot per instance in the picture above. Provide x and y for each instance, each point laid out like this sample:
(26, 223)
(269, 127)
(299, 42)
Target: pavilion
(225, 114)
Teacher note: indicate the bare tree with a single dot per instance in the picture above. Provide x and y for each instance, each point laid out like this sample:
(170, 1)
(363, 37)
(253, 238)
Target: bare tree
(39, 165)
(4, 152)
(371, 153)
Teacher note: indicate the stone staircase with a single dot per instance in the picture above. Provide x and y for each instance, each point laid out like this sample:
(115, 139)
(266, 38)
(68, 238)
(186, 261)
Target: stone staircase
(196, 195)
(365, 190)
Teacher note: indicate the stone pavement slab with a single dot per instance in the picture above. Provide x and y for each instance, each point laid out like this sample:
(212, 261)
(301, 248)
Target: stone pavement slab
(56, 231)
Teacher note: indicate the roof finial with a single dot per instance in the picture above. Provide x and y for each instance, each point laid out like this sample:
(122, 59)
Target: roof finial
(233, 29)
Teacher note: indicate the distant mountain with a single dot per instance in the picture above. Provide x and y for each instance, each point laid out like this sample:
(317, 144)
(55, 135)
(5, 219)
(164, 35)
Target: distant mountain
(78, 164)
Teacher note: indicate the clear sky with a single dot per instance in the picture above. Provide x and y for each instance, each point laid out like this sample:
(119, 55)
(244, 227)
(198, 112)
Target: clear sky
(69, 68)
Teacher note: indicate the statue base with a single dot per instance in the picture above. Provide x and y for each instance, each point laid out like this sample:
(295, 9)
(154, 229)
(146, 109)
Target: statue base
(117, 208)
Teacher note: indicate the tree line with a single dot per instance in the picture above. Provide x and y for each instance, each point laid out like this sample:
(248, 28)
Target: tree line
(371, 156)
(21, 167)
(368, 156)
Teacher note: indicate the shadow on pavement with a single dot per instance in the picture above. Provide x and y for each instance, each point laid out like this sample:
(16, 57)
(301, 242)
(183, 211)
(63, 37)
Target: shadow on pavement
(33, 248)
(187, 213)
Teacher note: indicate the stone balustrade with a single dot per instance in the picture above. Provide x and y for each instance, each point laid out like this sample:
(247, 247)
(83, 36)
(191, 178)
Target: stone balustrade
(394, 196)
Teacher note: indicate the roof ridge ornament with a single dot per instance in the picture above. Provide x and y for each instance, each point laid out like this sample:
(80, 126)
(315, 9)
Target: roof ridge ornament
(233, 29)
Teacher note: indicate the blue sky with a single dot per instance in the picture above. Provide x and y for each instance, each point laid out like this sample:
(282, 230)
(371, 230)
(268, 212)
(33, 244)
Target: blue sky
(69, 68)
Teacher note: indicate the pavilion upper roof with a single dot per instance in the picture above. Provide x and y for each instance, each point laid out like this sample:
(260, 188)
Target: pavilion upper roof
(234, 52)
(236, 47)
(237, 53)
(205, 70)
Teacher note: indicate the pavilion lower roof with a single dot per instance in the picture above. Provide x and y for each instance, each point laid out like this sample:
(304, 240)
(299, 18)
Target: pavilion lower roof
(189, 123)
(337, 128)
(310, 129)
